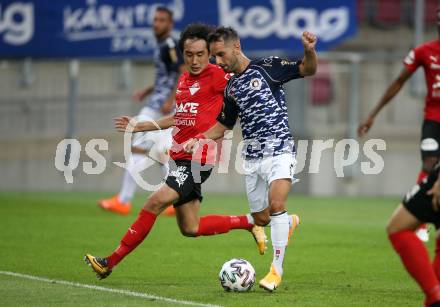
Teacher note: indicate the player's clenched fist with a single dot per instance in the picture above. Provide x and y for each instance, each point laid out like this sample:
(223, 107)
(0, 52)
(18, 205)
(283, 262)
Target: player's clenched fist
(308, 40)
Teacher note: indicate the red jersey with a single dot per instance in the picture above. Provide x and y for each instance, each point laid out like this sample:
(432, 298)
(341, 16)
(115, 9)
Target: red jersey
(428, 56)
(199, 100)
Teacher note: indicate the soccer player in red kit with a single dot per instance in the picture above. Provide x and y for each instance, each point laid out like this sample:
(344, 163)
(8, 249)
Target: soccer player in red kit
(199, 100)
(422, 203)
(426, 55)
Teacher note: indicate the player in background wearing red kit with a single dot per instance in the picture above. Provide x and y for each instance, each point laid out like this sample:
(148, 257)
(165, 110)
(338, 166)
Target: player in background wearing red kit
(426, 55)
(199, 100)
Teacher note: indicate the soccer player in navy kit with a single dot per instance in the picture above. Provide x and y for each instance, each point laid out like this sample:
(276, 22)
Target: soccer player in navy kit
(255, 95)
(168, 65)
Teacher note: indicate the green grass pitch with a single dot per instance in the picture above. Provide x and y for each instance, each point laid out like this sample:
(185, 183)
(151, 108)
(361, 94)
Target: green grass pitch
(339, 256)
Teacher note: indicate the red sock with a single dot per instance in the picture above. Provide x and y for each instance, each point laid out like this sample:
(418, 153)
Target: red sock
(415, 258)
(422, 175)
(215, 224)
(436, 262)
(134, 236)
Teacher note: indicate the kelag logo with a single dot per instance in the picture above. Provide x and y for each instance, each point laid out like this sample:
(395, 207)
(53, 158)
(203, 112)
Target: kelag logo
(16, 23)
(264, 21)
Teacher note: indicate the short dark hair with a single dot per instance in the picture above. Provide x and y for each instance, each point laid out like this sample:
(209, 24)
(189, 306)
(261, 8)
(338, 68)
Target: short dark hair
(195, 31)
(164, 9)
(223, 33)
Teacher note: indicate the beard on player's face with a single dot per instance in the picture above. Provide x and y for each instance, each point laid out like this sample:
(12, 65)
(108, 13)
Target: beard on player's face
(229, 62)
(233, 64)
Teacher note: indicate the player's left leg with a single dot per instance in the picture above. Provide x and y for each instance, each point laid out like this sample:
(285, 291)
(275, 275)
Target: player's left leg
(416, 208)
(413, 252)
(191, 225)
(278, 175)
(136, 233)
(279, 222)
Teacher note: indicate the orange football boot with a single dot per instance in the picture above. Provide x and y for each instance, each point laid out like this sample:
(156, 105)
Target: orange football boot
(114, 205)
(296, 222)
(169, 211)
(271, 281)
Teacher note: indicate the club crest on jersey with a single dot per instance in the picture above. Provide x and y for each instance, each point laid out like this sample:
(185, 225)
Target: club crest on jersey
(255, 84)
(194, 88)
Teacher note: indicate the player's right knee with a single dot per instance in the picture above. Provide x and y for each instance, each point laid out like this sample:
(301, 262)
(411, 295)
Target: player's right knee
(189, 230)
(262, 220)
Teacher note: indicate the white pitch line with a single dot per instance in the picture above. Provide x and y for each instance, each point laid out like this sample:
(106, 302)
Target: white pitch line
(111, 290)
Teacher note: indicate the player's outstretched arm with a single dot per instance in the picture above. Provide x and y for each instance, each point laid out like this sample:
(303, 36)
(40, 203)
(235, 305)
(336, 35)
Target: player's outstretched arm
(391, 91)
(309, 62)
(129, 124)
(215, 132)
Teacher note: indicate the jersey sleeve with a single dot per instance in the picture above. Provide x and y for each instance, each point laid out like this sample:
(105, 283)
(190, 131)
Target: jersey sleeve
(412, 60)
(171, 56)
(229, 114)
(280, 70)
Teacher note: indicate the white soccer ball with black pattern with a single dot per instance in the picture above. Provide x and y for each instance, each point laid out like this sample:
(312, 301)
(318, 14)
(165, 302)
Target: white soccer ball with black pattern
(237, 275)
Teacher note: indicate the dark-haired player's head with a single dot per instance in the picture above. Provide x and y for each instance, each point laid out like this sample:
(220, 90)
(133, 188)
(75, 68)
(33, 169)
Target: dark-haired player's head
(224, 44)
(163, 22)
(193, 43)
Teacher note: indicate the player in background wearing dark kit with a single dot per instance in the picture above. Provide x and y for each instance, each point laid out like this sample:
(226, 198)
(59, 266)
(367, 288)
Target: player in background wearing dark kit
(420, 205)
(168, 65)
(428, 56)
(199, 100)
(255, 95)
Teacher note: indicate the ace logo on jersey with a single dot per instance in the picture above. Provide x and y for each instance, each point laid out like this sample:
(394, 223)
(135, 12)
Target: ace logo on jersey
(187, 107)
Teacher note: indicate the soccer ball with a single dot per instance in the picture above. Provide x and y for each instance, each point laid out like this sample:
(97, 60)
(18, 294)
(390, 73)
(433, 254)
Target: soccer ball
(237, 275)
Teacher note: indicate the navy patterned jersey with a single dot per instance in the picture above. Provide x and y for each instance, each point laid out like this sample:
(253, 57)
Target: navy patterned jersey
(256, 96)
(167, 59)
